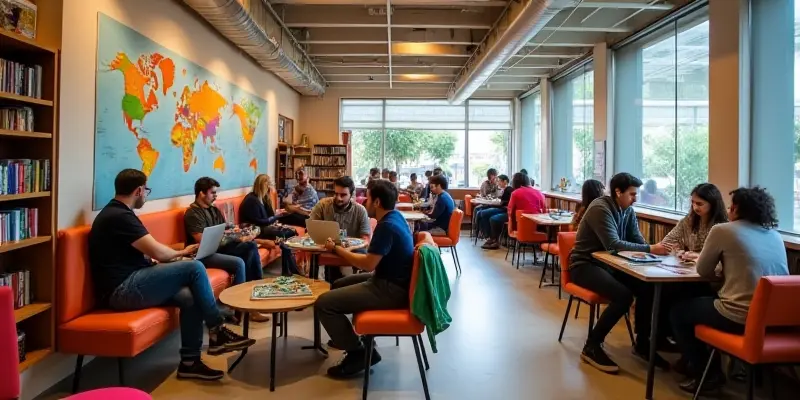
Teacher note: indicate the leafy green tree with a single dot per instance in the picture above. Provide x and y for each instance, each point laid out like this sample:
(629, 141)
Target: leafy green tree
(439, 146)
(690, 154)
(402, 146)
(583, 137)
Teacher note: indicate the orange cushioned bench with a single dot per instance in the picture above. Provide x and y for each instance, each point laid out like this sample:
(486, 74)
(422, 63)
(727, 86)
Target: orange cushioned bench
(85, 330)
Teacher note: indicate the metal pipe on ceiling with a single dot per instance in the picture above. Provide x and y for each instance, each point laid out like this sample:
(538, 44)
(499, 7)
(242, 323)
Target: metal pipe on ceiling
(389, 37)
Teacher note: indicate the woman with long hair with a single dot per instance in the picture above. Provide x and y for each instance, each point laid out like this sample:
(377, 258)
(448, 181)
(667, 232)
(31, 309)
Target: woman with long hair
(708, 209)
(590, 190)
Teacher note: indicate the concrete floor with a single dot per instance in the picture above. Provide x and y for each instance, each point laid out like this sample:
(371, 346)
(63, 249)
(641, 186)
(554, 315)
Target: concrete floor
(502, 345)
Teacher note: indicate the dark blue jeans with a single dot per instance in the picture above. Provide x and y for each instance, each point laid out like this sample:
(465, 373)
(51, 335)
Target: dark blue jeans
(484, 217)
(690, 313)
(248, 252)
(497, 222)
(183, 284)
(233, 265)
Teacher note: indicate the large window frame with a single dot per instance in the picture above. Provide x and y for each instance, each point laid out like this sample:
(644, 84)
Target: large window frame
(661, 122)
(530, 144)
(572, 139)
(475, 119)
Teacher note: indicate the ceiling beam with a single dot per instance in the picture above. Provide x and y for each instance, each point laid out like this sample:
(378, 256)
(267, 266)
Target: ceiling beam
(621, 29)
(323, 65)
(624, 5)
(381, 42)
(382, 25)
(557, 44)
(360, 17)
(455, 3)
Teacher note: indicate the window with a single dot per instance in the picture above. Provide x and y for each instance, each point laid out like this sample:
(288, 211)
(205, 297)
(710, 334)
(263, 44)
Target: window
(775, 104)
(530, 142)
(413, 136)
(573, 127)
(661, 111)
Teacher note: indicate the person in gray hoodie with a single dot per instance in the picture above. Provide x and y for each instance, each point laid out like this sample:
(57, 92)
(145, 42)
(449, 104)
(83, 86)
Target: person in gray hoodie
(609, 223)
(747, 248)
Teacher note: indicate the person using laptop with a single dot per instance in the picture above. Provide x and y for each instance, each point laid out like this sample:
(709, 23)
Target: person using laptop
(239, 258)
(390, 257)
(131, 271)
(344, 209)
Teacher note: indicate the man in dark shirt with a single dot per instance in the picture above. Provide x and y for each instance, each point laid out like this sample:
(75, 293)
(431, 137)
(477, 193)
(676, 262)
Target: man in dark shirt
(239, 258)
(121, 254)
(390, 256)
(442, 209)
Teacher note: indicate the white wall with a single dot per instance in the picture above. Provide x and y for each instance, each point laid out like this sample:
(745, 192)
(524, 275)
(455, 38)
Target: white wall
(174, 26)
(177, 28)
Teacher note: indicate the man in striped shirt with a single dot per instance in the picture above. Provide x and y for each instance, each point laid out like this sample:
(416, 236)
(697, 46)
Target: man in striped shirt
(344, 209)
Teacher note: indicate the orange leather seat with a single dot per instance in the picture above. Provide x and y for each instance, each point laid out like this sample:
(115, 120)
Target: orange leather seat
(115, 333)
(550, 248)
(453, 235)
(468, 205)
(584, 294)
(403, 198)
(779, 348)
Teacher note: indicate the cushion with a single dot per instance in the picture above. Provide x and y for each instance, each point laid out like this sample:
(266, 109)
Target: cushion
(442, 241)
(387, 322)
(116, 333)
(779, 347)
(584, 294)
(550, 248)
(219, 280)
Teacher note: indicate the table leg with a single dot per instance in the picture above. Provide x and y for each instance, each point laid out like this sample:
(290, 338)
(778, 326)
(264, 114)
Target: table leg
(651, 366)
(317, 337)
(551, 238)
(272, 353)
(314, 267)
(245, 331)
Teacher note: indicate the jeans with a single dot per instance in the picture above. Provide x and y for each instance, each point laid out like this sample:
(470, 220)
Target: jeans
(293, 219)
(620, 289)
(484, 217)
(248, 252)
(288, 262)
(183, 284)
(690, 313)
(233, 265)
(497, 222)
(353, 294)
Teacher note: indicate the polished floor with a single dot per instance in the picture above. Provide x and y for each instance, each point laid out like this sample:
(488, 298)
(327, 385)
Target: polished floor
(502, 345)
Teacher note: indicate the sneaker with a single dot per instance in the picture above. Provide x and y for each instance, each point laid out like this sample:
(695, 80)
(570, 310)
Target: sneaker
(712, 384)
(198, 370)
(223, 340)
(258, 317)
(352, 363)
(643, 352)
(491, 246)
(594, 355)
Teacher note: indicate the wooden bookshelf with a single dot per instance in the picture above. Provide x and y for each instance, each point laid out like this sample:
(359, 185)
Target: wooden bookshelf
(35, 254)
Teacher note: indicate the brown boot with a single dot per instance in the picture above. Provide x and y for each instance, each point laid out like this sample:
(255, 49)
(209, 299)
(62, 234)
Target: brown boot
(258, 317)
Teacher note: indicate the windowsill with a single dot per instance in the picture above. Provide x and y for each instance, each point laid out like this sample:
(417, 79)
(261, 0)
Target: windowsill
(790, 240)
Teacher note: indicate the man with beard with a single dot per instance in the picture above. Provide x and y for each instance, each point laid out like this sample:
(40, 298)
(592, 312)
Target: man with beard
(126, 277)
(304, 198)
(390, 256)
(344, 209)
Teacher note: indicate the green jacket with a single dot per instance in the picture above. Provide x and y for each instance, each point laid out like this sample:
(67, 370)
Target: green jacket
(431, 294)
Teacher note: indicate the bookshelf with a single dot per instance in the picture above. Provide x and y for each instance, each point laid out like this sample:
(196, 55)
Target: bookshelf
(29, 76)
(328, 162)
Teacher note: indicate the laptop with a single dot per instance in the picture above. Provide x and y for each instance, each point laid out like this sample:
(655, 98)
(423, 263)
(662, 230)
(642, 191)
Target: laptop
(209, 243)
(320, 231)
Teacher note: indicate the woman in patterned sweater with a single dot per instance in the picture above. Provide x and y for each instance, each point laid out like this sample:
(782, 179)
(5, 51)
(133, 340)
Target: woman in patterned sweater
(708, 209)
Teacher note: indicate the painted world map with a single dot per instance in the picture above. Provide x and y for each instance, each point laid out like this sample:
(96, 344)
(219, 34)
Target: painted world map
(170, 118)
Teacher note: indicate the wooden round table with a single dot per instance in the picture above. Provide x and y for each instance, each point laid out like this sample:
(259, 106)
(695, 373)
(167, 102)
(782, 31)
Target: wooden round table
(239, 298)
(297, 244)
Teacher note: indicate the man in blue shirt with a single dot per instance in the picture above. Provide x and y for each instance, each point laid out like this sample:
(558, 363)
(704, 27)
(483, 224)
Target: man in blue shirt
(442, 209)
(390, 257)
(304, 198)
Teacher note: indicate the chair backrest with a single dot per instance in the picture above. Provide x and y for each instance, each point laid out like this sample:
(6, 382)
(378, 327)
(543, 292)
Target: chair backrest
(9, 352)
(526, 228)
(774, 305)
(403, 198)
(420, 239)
(566, 241)
(468, 204)
(454, 229)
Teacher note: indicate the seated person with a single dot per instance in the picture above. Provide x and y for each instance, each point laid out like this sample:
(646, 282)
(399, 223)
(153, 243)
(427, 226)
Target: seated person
(525, 198)
(489, 187)
(590, 190)
(239, 258)
(256, 209)
(748, 248)
(492, 219)
(374, 175)
(302, 201)
(609, 223)
(391, 257)
(393, 179)
(708, 209)
(121, 254)
(385, 174)
(426, 189)
(414, 188)
(344, 209)
(442, 209)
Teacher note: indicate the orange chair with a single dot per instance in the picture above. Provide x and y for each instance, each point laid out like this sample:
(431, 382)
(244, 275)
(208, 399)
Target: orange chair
(332, 260)
(510, 235)
(771, 334)
(527, 235)
(550, 251)
(372, 324)
(451, 240)
(403, 198)
(566, 241)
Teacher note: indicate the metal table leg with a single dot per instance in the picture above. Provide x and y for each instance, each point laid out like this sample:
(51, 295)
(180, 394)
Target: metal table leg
(317, 337)
(245, 331)
(272, 353)
(551, 238)
(651, 366)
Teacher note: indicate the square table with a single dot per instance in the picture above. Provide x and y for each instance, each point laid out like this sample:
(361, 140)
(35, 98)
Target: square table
(655, 274)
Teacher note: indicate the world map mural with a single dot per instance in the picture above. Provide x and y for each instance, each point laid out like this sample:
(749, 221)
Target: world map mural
(170, 118)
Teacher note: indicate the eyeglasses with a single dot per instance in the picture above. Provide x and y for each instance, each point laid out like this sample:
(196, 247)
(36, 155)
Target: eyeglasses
(147, 190)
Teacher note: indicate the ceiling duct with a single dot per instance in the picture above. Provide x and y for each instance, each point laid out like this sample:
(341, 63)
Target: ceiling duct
(518, 24)
(253, 26)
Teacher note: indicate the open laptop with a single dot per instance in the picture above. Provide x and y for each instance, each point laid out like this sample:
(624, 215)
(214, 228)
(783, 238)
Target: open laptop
(320, 231)
(209, 243)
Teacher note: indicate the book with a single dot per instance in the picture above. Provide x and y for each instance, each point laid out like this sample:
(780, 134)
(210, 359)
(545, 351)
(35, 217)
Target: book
(19, 282)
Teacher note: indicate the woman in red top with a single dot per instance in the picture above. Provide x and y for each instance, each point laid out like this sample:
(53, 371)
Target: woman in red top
(524, 198)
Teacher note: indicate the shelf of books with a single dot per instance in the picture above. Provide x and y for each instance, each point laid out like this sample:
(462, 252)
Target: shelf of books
(328, 162)
(28, 139)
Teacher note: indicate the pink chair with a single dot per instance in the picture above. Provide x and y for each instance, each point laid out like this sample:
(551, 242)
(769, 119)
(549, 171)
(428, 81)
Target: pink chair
(9, 360)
